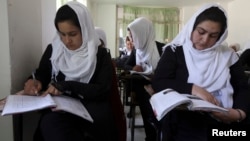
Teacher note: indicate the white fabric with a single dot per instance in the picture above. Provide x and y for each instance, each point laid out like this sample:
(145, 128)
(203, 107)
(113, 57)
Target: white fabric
(143, 35)
(208, 68)
(78, 65)
(102, 35)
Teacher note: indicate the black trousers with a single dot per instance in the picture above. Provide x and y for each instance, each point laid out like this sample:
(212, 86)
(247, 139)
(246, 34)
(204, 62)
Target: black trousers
(62, 126)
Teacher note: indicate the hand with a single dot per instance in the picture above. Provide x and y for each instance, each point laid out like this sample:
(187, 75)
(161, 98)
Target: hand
(149, 89)
(232, 116)
(32, 87)
(51, 90)
(204, 94)
(138, 68)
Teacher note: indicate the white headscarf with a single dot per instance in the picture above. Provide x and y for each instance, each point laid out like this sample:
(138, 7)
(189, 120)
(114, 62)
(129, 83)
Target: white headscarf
(143, 35)
(77, 65)
(102, 35)
(208, 68)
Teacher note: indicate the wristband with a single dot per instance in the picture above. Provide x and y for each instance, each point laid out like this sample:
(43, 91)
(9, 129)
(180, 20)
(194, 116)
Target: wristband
(241, 118)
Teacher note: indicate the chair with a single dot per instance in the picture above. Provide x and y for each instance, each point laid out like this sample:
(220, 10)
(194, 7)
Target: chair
(132, 124)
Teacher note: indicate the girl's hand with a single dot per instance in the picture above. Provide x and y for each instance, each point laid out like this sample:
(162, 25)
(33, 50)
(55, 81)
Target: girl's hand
(204, 94)
(32, 87)
(51, 90)
(138, 68)
(233, 115)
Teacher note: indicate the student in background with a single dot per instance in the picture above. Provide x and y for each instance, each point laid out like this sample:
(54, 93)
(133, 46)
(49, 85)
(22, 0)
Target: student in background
(75, 66)
(245, 56)
(196, 63)
(236, 48)
(144, 58)
(245, 59)
(102, 36)
(120, 61)
(128, 48)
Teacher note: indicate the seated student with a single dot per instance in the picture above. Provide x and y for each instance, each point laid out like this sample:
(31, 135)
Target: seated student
(74, 65)
(120, 61)
(236, 48)
(245, 56)
(102, 36)
(195, 63)
(145, 56)
(245, 59)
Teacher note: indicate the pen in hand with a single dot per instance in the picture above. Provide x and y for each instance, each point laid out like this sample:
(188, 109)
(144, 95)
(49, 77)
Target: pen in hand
(35, 82)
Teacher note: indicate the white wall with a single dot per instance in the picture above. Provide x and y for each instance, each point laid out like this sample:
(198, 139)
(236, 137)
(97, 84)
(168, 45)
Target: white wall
(25, 26)
(6, 127)
(48, 15)
(239, 22)
(23, 51)
(105, 17)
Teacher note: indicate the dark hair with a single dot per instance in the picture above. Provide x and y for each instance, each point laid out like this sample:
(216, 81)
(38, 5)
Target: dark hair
(127, 38)
(65, 13)
(214, 14)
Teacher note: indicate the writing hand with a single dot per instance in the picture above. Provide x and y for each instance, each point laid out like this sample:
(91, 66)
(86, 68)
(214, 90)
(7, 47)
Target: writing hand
(32, 87)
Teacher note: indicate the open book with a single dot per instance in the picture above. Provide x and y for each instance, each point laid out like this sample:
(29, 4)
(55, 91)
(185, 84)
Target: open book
(24, 103)
(168, 99)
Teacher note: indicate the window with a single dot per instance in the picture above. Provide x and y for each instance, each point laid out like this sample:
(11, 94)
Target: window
(59, 3)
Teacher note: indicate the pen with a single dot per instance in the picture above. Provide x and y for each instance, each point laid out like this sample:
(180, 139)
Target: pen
(34, 80)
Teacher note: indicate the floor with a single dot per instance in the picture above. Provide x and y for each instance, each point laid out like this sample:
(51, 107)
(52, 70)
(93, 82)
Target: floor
(139, 134)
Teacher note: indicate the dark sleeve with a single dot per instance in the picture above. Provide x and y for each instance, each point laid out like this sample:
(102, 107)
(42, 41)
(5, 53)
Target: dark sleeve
(171, 72)
(245, 58)
(159, 47)
(43, 72)
(121, 61)
(100, 84)
(241, 89)
(131, 61)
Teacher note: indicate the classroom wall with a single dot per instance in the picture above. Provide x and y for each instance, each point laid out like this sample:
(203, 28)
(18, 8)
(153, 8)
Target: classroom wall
(239, 22)
(6, 129)
(105, 17)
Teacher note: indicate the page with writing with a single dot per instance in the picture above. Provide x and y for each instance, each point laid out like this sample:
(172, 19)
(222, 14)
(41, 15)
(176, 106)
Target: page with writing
(24, 103)
(71, 105)
(166, 100)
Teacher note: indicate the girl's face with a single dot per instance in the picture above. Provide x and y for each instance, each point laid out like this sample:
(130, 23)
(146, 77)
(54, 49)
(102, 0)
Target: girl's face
(205, 34)
(129, 45)
(70, 35)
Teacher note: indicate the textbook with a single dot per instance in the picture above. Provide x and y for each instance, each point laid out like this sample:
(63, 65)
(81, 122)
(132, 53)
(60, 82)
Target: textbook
(168, 99)
(15, 104)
